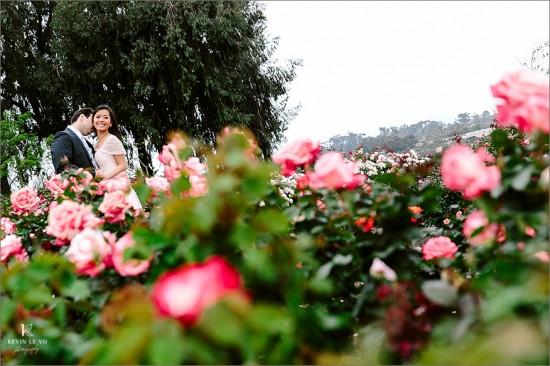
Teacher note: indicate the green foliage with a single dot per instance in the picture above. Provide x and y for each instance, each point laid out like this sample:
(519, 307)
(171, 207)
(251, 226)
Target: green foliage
(22, 151)
(162, 66)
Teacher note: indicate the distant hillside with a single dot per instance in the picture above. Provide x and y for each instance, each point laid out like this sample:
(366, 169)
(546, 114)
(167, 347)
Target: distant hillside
(422, 136)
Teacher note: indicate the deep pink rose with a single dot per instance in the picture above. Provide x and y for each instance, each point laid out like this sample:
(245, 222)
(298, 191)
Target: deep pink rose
(10, 245)
(68, 218)
(299, 153)
(22, 256)
(119, 183)
(130, 267)
(332, 171)
(199, 185)
(56, 185)
(526, 100)
(476, 220)
(88, 251)
(187, 291)
(194, 166)
(25, 200)
(465, 171)
(7, 226)
(439, 247)
(114, 206)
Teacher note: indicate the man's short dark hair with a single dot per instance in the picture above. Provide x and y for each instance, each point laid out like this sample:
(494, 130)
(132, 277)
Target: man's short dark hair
(85, 111)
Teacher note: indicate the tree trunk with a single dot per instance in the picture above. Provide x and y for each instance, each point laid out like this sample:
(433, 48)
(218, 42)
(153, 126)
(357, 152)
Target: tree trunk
(145, 159)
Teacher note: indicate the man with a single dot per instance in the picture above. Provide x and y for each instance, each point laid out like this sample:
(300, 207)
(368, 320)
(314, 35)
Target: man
(69, 147)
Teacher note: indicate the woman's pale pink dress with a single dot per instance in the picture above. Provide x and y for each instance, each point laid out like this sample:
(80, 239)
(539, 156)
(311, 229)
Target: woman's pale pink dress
(105, 159)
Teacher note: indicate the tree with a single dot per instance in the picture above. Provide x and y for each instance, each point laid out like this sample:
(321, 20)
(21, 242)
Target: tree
(161, 65)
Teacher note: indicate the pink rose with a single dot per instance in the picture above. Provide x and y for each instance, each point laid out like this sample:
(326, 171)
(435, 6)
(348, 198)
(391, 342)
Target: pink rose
(88, 251)
(130, 267)
(22, 256)
(199, 185)
(458, 213)
(542, 256)
(446, 221)
(25, 200)
(81, 183)
(56, 185)
(529, 231)
(119, 183)
(114, 206)
(158, 184)
(184, 293)
(299, 153)
(465, 171)
(68, 218)
(7, 226)
(194, 166)
(526, 100)
(10, 245)
(169, 157)
(473, 222)
(380, 269)
(439, 247)
(332, 171)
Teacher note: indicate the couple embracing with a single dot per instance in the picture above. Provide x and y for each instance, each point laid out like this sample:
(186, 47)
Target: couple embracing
(105, 159)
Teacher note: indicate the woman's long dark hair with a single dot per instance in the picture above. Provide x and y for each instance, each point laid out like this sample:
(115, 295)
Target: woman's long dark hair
(113, 129)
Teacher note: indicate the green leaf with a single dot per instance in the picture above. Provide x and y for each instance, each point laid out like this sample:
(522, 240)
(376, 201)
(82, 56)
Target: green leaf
(7, 310)
(78, 290)
(522, 178)
(440, 292)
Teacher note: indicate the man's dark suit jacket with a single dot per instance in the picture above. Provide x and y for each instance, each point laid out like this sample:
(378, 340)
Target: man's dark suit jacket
(68, 151)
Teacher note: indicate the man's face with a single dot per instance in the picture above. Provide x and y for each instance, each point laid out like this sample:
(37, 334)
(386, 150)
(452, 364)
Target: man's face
(86, 124)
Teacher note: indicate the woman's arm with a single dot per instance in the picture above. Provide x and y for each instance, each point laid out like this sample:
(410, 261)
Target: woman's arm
(121, 166)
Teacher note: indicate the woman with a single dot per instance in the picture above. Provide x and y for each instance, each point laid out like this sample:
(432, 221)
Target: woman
(110, 155)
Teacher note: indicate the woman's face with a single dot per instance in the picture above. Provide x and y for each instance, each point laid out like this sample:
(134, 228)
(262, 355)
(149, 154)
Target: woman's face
(102, 120)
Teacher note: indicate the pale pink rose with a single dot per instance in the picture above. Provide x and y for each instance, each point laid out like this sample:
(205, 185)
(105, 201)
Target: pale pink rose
(199, 185)
(446, 221)
(96, 189)
(56, 185)
(521, 245)
(68, 218)
(526, 100)
(87, 252)
(332, 171)
(80, 184)
(458, 213)
(300, 153)
(169, 154)
(7, 226)
(130, 267)
(171, 173)
(10, 245)
(542, 256)
(194, 166)
(114, 206)
(186, 292)
(473, 222)
(529, 231)
(158, 184)
(439, 247)
(25, 200)
(119, 183)
(380, 269)
(465, 171)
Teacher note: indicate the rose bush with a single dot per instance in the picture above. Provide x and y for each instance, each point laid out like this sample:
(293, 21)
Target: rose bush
(312, 258)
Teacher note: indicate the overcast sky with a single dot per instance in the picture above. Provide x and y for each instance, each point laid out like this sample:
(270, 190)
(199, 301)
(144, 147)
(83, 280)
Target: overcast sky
(368, 64)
